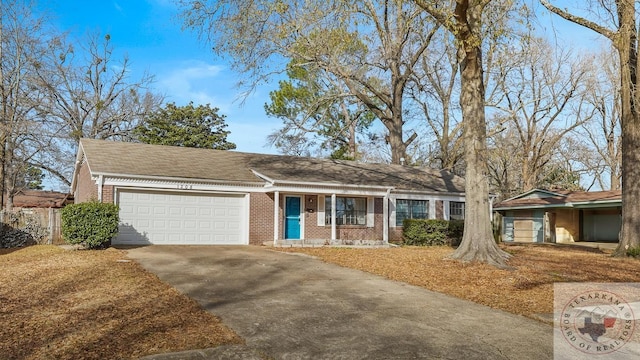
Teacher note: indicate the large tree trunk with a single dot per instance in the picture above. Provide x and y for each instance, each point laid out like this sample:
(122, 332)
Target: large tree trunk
(477, 241)
(627, 50)
(625, 41)
(397, 145)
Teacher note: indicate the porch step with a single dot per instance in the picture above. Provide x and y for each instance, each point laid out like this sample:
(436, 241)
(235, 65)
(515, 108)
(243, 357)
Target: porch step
(326, 242)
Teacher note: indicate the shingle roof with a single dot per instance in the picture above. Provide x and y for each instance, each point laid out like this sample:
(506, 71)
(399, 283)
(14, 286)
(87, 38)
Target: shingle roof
(41, 199)
(568, 198)
(110, 157)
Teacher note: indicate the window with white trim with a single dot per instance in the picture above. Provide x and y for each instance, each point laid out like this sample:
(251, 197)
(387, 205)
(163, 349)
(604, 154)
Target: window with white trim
(349, 210)
(456, 210)
(411, 209)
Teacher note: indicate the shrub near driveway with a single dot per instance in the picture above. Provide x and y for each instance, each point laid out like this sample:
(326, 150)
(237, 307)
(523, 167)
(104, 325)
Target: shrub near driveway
(57, 304)
(432, 232)
(92, 224)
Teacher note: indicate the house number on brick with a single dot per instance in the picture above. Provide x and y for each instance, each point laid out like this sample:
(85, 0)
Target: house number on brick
(185, 187)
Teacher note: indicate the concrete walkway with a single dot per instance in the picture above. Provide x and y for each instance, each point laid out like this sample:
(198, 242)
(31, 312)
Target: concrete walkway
(297, 307)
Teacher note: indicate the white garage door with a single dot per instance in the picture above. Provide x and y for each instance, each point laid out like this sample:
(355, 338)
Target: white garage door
(150, 217)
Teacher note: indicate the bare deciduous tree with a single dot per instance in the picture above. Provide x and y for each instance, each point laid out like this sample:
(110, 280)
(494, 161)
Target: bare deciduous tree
(434, 88)
(88, 94)
(541, 95)
(22, 45)
(604, 131)
(465, 20)
(369, 45)
(620, 27)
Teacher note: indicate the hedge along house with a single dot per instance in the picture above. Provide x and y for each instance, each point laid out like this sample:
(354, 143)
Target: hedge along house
(176, 195)
(561, 216)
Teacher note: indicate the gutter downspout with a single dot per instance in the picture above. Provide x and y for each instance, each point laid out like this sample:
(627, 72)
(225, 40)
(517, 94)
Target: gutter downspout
(276, 217)
(100, 186)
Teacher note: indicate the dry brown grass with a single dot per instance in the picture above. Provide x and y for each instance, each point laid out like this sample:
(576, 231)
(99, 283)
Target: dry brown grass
(526, 290)
(57, 304)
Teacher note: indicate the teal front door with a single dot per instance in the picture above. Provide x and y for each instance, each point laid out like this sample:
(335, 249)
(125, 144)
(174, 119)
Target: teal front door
(292, 217)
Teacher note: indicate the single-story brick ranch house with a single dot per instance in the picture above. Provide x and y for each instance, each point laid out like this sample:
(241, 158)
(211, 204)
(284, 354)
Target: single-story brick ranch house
(561, 216)
(177, 195)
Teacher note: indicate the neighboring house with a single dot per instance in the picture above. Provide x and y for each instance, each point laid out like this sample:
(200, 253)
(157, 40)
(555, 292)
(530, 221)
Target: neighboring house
(561, 216)
(28, 199)
(37, 207)
(177, 195)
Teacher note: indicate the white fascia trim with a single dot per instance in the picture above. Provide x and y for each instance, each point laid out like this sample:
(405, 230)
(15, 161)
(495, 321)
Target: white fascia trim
(590, 204)
(261, 176)
(284, 183)
(79, 158)
(123, 177)
(169, 185)
(327, 190)
(396, 193)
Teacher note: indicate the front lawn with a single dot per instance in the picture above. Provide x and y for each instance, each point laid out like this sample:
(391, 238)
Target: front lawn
(59, 304)
(527, 290)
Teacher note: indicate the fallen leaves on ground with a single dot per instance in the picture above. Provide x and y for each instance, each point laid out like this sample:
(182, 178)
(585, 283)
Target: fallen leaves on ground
(525, 290)
(59, 304)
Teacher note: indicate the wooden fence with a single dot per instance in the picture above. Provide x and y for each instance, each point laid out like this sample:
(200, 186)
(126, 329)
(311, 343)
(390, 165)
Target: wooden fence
(37, 225)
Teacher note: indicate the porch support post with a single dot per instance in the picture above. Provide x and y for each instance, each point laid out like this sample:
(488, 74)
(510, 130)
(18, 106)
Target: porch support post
(333, 217)
(276, 217)
(385, 217)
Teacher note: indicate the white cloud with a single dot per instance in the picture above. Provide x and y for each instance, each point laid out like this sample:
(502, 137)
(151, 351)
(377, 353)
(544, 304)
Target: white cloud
(195, 81)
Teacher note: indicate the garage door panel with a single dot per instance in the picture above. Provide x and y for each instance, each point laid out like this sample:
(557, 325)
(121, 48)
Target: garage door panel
(180, 218)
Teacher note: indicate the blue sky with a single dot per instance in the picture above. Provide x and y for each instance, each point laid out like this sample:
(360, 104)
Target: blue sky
(149, 33)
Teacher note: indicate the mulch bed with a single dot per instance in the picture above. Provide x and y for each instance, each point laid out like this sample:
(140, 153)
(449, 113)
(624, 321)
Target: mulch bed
(58, 304)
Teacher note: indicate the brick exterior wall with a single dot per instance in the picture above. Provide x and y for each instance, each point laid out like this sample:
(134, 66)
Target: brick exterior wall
(108, 194)
(260, 218)
(86, 189)
(395, 235)
(311, 228)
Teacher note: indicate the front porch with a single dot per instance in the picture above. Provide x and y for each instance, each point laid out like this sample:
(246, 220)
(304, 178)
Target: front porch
(328, 243)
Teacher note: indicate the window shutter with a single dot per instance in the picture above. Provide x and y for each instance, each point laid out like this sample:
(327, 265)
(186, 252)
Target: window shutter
(320, 211)
(370, 211)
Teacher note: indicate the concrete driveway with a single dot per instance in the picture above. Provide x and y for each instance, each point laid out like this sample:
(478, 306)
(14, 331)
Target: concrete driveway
(297, 307)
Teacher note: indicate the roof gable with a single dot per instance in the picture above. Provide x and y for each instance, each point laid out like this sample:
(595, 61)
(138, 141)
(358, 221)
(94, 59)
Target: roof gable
(574, 199)
(157, 161)
(537, 194)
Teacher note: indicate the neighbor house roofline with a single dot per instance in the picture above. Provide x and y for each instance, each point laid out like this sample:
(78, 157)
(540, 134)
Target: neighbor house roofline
(537, 206)
(573, 200)
(534, 191)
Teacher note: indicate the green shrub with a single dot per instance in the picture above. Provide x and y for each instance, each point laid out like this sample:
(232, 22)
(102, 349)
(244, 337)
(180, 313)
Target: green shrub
(91, 224)
(634, 252)
(432, 232)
